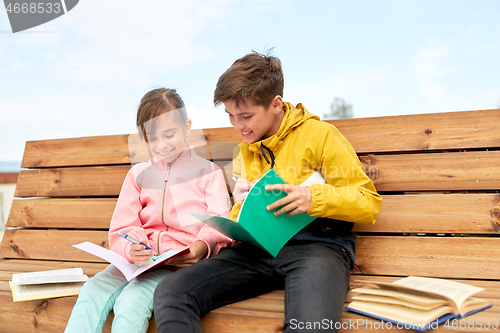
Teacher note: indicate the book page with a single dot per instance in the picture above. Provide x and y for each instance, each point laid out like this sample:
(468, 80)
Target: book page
(315, 178)
(47, 290)
(114, 258)
(456, 291)
(255, 190)
(413, 296)
(52, 279)
(398, 313)
(121, 263)
(271, 231)
(158, 261)
(227, 227)
(52, 276)
(396, 301)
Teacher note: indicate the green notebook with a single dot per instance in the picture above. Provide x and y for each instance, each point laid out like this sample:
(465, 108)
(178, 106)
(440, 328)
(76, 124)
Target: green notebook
(255, 224)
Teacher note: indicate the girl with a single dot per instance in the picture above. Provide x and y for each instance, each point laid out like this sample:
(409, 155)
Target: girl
(153, 207)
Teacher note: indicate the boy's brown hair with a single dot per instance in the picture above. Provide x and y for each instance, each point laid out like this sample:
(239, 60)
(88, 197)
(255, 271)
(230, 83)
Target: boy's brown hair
(255, 76)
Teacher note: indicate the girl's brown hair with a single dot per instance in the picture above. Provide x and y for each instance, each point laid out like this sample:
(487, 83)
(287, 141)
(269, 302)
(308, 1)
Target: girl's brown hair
(155, 103)
(256, 76)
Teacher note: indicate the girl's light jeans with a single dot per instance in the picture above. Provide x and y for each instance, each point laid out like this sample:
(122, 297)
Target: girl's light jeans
(132, 302)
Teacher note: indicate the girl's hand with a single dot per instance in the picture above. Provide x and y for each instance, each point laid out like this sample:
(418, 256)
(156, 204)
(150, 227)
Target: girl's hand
(241, 189)
(297, 201)
(139, 254)
(198, 251)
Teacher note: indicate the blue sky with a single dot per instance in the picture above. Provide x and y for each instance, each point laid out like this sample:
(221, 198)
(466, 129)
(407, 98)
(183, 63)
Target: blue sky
(84, 73)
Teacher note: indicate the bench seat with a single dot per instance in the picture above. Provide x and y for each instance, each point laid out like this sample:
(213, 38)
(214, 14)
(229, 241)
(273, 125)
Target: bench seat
(438, 175)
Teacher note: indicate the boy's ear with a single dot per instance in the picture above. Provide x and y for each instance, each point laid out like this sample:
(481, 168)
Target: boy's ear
(277, 104)
(187, 127)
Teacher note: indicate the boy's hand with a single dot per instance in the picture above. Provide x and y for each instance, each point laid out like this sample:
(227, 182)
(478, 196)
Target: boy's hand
(297, 201)
(241, 189)
(198, 251)
(139, 254)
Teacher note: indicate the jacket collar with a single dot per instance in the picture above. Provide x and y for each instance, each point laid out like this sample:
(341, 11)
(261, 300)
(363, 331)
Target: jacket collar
(294, 116)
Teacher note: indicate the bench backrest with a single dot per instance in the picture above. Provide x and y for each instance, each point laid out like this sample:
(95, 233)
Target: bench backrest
(439, 175)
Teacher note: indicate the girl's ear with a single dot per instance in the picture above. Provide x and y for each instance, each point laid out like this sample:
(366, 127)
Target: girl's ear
(187, 127)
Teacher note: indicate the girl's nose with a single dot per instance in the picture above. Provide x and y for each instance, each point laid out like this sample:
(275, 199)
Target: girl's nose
(163, 143)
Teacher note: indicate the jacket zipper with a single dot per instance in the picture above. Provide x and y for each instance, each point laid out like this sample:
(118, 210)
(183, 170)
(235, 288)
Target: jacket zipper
(162, 218)
(163, 203)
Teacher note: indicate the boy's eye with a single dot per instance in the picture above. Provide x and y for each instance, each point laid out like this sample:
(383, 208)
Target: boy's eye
(246, 117)
(169, 136)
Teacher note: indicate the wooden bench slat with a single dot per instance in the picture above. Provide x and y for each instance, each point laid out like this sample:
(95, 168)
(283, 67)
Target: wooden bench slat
(34, 316)
(458, 171)
(418, 132)
(443, 213)
(421, 132)
(97, 150)
(50, 244)
(8, 177)
(462, 257)
(437, 213)
(436, 131)
(75, 181)
(24, 266)
(414, 172)
(92, 213)
(60, 182)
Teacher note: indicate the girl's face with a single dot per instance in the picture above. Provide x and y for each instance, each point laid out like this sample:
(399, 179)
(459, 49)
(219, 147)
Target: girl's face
(168, 140)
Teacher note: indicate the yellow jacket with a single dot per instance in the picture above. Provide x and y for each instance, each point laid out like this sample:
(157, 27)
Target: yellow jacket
(303, 145)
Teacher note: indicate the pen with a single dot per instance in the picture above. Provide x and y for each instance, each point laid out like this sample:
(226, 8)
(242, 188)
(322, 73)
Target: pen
(133, 240)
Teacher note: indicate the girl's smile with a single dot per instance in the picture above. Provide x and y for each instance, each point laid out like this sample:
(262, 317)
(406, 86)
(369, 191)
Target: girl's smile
(167, 136)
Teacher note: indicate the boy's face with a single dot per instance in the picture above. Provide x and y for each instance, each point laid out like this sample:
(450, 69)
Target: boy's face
(168, 140)
(254, 121)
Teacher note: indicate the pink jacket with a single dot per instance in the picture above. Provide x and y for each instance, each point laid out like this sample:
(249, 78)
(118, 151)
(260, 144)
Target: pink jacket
(155, 203)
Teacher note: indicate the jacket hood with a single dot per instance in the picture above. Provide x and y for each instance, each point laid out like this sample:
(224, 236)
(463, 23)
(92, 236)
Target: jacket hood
(294, 116)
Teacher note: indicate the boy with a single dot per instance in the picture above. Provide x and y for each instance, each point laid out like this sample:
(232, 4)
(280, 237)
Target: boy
(314, 266)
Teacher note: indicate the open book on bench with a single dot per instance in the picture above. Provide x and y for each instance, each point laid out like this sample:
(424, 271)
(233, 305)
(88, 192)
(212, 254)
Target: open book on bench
(418, 302)
(47, 284)
(257, 225)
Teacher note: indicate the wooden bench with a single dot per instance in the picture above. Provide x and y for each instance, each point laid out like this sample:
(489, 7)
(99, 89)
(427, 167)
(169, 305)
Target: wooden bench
(439, 175)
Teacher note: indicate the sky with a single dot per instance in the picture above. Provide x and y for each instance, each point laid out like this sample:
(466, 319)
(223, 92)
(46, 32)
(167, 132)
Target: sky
(84, 73)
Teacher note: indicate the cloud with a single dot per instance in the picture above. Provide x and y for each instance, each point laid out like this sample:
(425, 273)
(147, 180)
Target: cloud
(120, 41)
(134, 41)
(88, 75)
